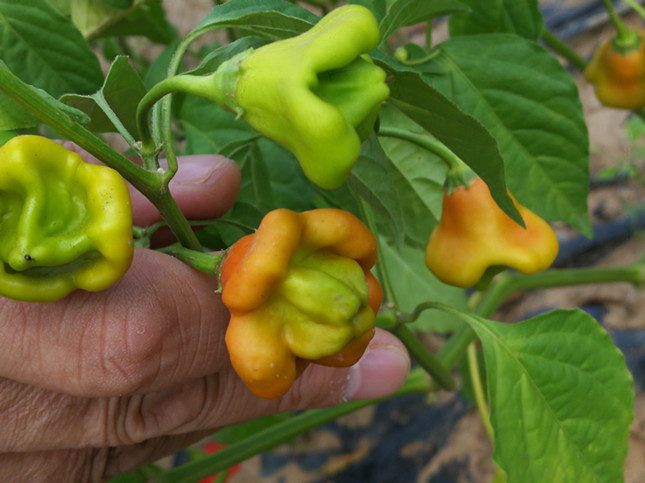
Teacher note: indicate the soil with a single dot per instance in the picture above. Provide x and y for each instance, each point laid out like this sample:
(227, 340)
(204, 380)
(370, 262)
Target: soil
(411, 440)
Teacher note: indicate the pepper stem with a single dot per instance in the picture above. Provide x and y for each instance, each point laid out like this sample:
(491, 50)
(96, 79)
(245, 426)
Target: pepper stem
(189, 84)
(626, 39)
(459, 173)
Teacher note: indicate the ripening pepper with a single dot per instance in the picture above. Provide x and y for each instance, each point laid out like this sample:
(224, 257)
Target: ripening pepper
(64, 223)
(317, 94)
(618, 73)
(475, 235)
(299, 290)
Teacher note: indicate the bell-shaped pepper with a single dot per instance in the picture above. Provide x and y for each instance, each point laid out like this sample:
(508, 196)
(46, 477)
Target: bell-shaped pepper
(299, 290)
(64, 223)
(618, 73)
(317, 94)
(475, 235)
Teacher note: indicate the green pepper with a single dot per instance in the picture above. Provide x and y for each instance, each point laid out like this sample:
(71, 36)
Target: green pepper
(64, 223)
(317, 94)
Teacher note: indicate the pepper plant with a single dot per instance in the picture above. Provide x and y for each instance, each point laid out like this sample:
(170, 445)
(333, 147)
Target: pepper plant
(374, 169)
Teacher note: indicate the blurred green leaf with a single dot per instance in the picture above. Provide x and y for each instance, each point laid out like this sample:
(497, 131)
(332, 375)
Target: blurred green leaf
(502, 16)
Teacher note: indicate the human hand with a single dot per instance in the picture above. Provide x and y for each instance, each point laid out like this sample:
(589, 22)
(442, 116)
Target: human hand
(98, 384)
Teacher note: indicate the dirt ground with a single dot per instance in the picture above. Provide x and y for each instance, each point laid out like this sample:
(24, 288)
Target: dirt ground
(464, 455)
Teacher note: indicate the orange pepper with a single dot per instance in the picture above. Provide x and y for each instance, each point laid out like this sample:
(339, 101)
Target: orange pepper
(299, 290)
(618, 74)
(474, 235)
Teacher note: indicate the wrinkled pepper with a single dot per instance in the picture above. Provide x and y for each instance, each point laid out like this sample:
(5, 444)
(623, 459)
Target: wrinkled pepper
(474, 235)
(64, 223)
(299, 290)
(618, 73)
(317, 94)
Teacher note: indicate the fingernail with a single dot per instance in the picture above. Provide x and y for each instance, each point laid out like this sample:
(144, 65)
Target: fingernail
(199, 170)
(379, 373)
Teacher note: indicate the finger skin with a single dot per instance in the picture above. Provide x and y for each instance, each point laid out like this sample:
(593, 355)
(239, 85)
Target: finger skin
(161, 324)
(205, 186)
(207, 403)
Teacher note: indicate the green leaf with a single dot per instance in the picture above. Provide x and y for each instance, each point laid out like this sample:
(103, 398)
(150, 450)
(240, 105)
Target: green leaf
(561, 398)
(208, 128)
(45, 49)
(417, 177)
(530, 104)
(116, 102)
(464, 135)
(371, 180)
(377, 7)
(499, 16)
(213, 60)
(409, 12)
(61, 5)
(414, 284)
(122, 4)
(148, 19)
(15, 116)
(271, 18)
(289, 186)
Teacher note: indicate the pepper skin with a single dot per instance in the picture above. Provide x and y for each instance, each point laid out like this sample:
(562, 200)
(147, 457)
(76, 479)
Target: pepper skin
(64, 223)
(317, 94)
(474, 234)
(299, 290)
(618, 74)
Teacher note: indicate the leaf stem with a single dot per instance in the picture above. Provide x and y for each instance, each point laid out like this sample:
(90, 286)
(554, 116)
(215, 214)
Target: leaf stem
(508, 283)
(186, 83)
(478, 389)
(204, 262)
(637, 7)
(424, 358)
(381, 269)
(459, 173)
(563, 49)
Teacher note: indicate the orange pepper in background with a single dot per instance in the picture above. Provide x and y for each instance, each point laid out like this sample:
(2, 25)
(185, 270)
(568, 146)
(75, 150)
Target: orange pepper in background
(299, 290)
(474, 234)
(618, 74)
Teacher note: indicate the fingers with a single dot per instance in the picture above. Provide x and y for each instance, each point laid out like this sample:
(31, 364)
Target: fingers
(204, 187)
(202, 404)
(90, 464)
(161, 324)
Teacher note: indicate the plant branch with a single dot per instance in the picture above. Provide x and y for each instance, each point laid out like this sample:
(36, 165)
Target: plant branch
(151, 184)
(563, 49)
(424, 358)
